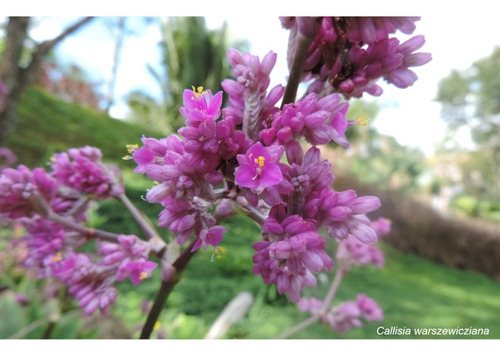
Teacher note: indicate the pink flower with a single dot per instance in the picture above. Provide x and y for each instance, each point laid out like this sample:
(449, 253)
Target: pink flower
(369, 308)
(140, 270)
(212, 236)
(258, 167)
(200, 105)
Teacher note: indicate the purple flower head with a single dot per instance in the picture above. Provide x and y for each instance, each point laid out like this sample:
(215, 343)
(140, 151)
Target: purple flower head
(347, 314)
(350, 54)
(211, 236)
(200, 105)
(44, 240)
(82, 169)
(89, 283)
(318, 120)
(372, 29)
(139, 270)
(21, 188)
(343, 317)
(291, 250)
(381, 226)
(128, 248)
(402, 76)
(286, 281)
(249, 103)
(369, 308)
(258, 168)
(352, 252)
(343, 213)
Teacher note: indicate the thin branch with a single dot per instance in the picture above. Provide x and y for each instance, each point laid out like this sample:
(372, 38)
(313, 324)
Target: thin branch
(165, 290)
(254, 214)
(333, 290)
(87, 232)
(302, 325)
(28, 74)
(141, 220)
(300, 56)
(327, 301)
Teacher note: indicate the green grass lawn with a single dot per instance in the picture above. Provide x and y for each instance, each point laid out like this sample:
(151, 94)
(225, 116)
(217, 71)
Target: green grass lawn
(413, 292)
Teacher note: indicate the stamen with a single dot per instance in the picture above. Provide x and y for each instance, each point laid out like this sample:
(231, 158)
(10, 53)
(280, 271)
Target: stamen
(361, 122)
(143, 275)
(57, 257)
(260, 161)
(198, 91)
(132, 148)
(218, 252)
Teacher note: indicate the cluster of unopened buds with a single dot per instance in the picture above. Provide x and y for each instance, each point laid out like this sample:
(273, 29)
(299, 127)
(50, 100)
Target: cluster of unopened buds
(251, 156)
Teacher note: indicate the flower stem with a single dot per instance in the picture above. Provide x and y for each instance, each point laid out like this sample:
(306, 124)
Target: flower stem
(333, 290)
(315, 317)
(88, 232)
(302, 325)
(165, 289)
(303, 44)
(141, 220)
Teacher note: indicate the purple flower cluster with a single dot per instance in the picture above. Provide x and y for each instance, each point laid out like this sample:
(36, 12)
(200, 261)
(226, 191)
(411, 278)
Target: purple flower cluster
(187, 170)
(349, 54)
(239, 157)
(46, 202)
(252, 157)
(347, 314)
(352, 252)
(81, 169)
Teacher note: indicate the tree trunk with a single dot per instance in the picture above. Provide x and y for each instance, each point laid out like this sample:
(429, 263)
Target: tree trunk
(17, 28)
(16, 78)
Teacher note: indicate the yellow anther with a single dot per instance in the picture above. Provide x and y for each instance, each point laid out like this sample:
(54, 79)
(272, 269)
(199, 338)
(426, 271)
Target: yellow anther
(260, 161)
(198, 91)
(143, 275)
(218, 252)
(361, 122)
(132, 148)
(57, 257)
(127, 157)
(52, 159)
(157, 325)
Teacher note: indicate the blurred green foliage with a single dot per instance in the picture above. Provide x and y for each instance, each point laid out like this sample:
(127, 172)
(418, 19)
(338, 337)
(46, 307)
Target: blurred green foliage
(469, 99)
(47, 125)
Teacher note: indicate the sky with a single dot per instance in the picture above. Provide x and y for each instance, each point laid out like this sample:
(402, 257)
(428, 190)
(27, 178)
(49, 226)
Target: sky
(456, 36)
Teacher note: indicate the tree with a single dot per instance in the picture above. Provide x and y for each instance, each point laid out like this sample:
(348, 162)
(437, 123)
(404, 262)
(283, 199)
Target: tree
(471, 98)
(17, 77)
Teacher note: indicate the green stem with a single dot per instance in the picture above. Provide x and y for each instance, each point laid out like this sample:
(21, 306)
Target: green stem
(165, 290)
(300, 56)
